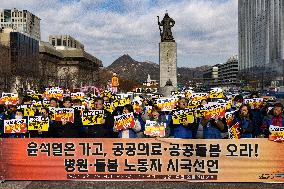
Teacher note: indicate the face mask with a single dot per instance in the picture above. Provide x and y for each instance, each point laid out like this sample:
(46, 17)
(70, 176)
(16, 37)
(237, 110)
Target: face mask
(18, 117)
(43, 115)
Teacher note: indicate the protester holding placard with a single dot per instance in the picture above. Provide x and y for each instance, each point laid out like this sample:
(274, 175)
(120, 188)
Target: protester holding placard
(129, 133)
(66, 128)
(212, 128)
(44, 114)
(198, 130)
(213, 121)
(277, 119)
(155, 115)
(19, 115)
(105, 129)
(183, 130)
(245, 120)
(255, 104)
(266, 114)
(78, 117)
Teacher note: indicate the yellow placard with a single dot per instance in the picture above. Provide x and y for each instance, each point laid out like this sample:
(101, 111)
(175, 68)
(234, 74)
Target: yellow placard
(183, 116)
(93, 117)
(38, 123)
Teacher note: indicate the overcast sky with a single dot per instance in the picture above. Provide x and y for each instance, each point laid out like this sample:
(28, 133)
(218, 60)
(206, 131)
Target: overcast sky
(206, 31)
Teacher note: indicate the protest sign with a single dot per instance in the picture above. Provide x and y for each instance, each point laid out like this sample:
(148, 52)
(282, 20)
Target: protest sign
(137, 108)
(46, 103)
(86, 102)
(37, 105)
(230, 117)
(54, 92)
(108, 107)
(93, 117)
(106, 93)
(182, 116)
(200, 112)
(155, 96)
(9, 99)
(78, 95)
(52, 113)
(177, 94)
(80, 109)
(124, 121)
(38, 123)
(155, 129)
(64, 114)
(166, 104)
(276, 133)
(33, 94)
(15, 126)
(28, 109)
(188, 93)
(254, 103)
(216, 93)
(217, 110)
(198, 96)
(148, 109)
(193, 104)
(121, 102)
(234, 132)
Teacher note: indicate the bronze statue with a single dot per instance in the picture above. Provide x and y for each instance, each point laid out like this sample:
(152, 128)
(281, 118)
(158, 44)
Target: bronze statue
(169, 83)
(167, 23)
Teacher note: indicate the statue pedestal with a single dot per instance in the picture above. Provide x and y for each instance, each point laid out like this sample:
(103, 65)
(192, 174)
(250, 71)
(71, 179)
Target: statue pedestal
(168, 63)
(167, 90)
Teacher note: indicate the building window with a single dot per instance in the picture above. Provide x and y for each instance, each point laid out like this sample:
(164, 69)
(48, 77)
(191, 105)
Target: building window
(58, 42)
(53, 42)
(64, 42)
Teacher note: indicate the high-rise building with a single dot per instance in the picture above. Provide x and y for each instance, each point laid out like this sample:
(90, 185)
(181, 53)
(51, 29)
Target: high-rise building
(228, 72)
(261, 38)
(20, 21)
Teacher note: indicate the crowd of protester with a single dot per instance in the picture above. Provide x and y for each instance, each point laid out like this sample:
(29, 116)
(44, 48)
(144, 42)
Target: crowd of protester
(254, 123)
